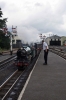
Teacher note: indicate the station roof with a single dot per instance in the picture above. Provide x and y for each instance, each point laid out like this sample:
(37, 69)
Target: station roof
(55, 37)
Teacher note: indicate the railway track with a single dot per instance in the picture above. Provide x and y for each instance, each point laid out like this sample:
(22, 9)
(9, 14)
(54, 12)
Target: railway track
(7, 61)
(11, 88)
(9, 84)
(59, 51)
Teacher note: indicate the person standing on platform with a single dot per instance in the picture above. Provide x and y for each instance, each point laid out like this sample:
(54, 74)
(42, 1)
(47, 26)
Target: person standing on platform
(45, 49)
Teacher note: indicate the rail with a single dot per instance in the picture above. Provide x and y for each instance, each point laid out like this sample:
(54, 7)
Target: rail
(58, 51)
(14, 85)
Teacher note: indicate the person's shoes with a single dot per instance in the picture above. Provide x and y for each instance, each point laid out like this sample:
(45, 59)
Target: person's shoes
(44, 64)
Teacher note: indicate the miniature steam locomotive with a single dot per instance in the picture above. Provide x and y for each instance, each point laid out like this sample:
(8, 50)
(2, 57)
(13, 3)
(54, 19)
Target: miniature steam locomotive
(26, 55)
(23, 58)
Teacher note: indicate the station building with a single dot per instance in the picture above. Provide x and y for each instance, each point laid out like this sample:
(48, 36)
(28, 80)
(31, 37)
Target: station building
(56, 40)
(16, 42)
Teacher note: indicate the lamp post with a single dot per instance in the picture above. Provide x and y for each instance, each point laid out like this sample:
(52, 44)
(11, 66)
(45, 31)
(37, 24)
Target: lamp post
(14, 33)
(11, 51)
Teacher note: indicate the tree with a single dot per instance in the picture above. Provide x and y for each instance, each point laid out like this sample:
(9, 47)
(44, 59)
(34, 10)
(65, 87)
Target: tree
(4, 41)
(2, 21)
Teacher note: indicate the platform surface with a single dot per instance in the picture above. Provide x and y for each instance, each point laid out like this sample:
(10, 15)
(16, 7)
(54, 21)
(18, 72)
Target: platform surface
(47, 82)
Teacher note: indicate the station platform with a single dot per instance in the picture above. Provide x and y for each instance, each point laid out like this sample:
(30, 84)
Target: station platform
(46, 82)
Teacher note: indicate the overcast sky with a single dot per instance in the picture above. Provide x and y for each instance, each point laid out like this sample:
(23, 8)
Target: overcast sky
(33, 17)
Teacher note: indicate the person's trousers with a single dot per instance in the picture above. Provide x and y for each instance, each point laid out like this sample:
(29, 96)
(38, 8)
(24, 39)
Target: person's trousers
(45, 56)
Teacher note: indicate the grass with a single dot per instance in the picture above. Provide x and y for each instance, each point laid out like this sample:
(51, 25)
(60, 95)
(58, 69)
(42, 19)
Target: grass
(2, 50)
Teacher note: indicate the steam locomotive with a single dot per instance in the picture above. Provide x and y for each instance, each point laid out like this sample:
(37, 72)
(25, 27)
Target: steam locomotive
(23, 58)
(25, 55)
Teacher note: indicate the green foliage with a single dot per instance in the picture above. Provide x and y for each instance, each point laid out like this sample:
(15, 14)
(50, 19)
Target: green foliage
(1, 13)
(2, 20)
(4, 41)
